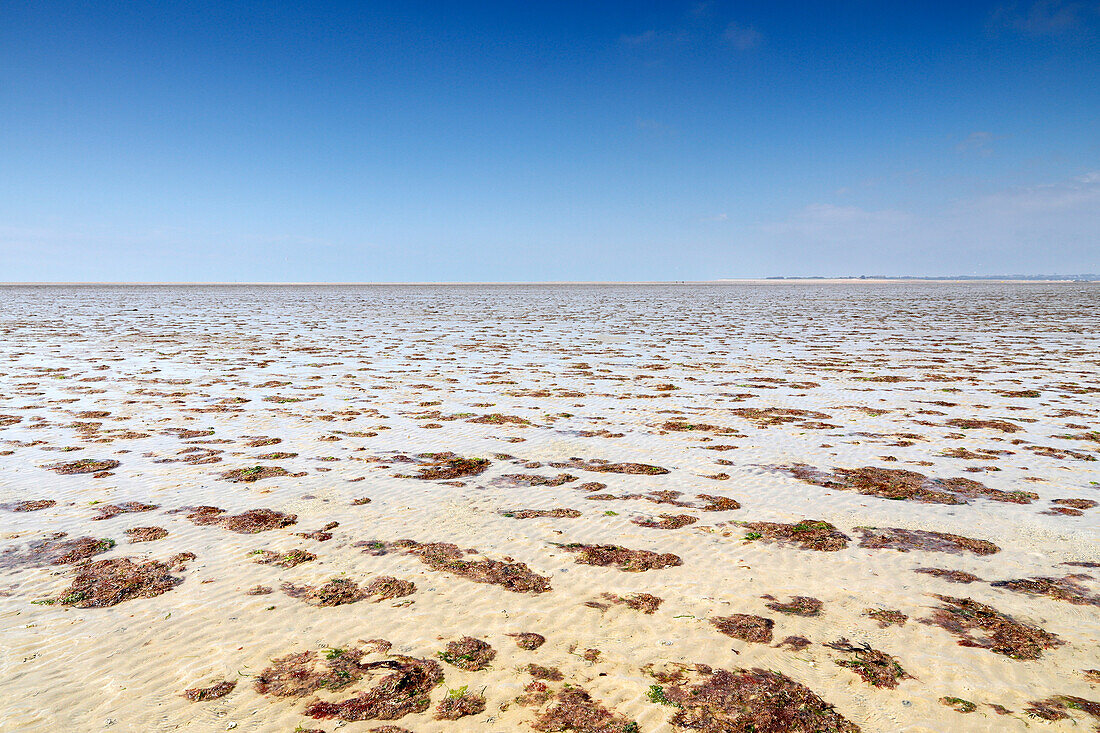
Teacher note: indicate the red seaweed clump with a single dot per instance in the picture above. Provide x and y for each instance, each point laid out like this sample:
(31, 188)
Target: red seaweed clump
(874, 667)
(249, 522)
(468, 653)
(541, 513)
(113, 510)
(447, 466)
(528, 640)
(978, 625)
(336, 592)
(289, 559)
(146, 534)
(253, 473)
(1060, 589)
(599, 465)
(951, 576)
(886, 617)
(30, 505)
(809, 534)
(456, 706)
(752, 701)
(797, 606)
(202, 694)
(405, 690)
(745, 627)
(900, 484)
(896, 538)
(626, 560)
(84, 465)
(104, 583)
(573, 709)
(666, 521)
(445, 557)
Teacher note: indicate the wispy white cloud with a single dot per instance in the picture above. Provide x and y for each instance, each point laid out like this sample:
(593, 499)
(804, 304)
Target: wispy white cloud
(743, 37)
(978, 143)
(1046, 17)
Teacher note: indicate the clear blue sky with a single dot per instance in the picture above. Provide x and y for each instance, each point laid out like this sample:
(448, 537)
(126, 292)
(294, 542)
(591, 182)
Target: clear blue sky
(412, 141)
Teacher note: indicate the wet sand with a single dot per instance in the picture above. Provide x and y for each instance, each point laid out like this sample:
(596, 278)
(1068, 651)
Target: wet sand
(345, 501)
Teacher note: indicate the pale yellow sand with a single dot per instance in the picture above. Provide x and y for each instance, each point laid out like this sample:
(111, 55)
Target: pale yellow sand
(375, 367)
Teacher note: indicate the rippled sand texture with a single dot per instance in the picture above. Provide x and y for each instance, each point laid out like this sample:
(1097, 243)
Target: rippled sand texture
(699, 443)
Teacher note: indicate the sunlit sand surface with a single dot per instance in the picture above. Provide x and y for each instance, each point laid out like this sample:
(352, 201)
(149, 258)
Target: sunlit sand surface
(803, 507)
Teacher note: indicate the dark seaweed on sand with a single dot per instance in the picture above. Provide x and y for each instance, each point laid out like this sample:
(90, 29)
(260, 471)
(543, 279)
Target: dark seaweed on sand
(745, 627)
(446, 557)
(896, 538)
(468, 653)
(978, 625)
(626, 560)
(809, 534)
(875, 667)
(405, 690)
(103, 583)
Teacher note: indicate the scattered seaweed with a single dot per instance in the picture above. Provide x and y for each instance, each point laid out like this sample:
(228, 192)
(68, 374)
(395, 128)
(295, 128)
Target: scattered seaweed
(468, 653)
(951, 576)
(874, 667)
(445, 557)
(797, 606)
(752, 701)
(29, 505)
(253, 473)
(573, 709)
(458, 704)
(626, 560)
(107, 511)
(900, 484)
(202, 694)
(958, 704)
(745, 627)
(290, 559)
(886, 617)
(249, 522)
(146, 534)
(1060, 589)
(599, 465)
(666, 521)
(405, 690)
(528, 640)
(809, 534)
(541, 513)
(336, 592)
(103, 583)
(896, 538)
(84, 465)
(978, 625)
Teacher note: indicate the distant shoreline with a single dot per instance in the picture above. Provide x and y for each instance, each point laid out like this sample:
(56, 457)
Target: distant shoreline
(730, 281)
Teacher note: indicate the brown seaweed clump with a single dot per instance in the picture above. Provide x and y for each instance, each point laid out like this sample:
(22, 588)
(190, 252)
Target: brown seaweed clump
(644, 602)
(468, 653)
(336, 592)
(874, 667)
(667, 521)
(146, 534)
(289, 559)
(84, 465)
(809, 534)
(512, 576)
(600, 465)
(541, 513)
(900, 484)
(896, 538)
(752, 700)
(978, 625)
(797, 606)
(886, 617)
(745, 627)
(528, 640)
(253, 473)
(1060, 589)
(104, 583)
(405, 690)
(30, 505)
(386, 587)
(1003, 425)
(297, 675)
(951, 576)
(456, 706)
(447, 466)
(1055, 707)
(54, 549)
(532, 479)
(249, 522)
(113, 510)
(958, 704)
(573, 709)
(626, 560)
(202, 694)
(718, 503)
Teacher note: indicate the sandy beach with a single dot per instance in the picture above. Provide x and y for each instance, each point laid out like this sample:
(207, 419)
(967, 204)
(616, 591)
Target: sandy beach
(602, 508)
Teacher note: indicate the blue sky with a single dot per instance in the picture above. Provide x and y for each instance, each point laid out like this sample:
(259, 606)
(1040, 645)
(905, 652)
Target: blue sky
(415, 141)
